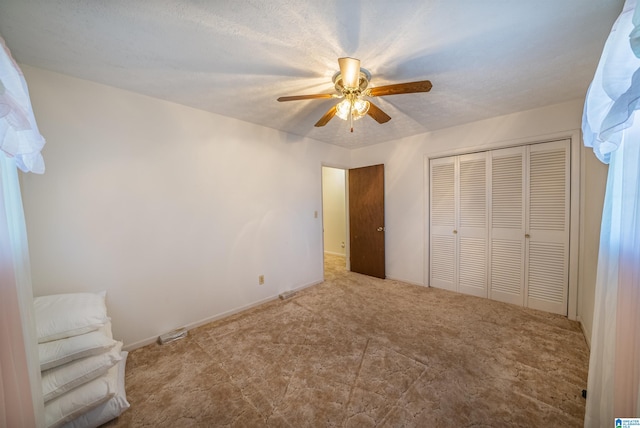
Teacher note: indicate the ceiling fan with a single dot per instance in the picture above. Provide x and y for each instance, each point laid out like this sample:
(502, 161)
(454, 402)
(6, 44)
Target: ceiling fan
(352, 84)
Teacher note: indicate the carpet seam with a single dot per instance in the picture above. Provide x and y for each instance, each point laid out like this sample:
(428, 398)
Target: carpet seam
(355, 380)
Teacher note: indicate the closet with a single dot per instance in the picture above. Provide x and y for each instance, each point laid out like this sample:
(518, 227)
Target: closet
(499, 224)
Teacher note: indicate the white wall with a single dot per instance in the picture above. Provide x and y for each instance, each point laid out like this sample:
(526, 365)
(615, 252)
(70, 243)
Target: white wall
(406, 196)
(594, 186)
(333, 210)
(174, 211)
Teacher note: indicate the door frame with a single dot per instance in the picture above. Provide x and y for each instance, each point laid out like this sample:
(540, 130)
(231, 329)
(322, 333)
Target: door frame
(347, 245)
(575, 144)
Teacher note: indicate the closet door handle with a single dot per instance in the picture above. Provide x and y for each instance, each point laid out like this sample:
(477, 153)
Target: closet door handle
(455, 231)
(526, 235)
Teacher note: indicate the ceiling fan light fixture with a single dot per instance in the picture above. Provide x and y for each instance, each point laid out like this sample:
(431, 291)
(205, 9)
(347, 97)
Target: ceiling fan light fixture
(360, 108)
(342, 109)
(357, 107)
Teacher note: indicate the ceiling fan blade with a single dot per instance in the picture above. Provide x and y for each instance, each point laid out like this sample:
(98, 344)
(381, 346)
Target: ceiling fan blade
(350, 71)
(327, 117)
(379, 116)
(400, 88)
(305, 97)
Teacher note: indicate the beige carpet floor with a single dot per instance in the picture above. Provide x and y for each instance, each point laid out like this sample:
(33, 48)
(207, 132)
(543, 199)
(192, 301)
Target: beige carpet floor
(357, 351)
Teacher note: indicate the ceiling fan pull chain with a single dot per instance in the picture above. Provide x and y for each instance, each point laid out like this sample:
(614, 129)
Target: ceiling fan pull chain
(351, 115)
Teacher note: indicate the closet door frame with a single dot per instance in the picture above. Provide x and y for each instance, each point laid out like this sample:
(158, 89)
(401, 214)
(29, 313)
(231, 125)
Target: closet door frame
(574, 228)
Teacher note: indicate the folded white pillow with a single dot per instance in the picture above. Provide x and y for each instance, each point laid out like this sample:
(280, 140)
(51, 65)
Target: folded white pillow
(61, 379)
(65, 315)
(105, 411)
(59, 352)
(81, 399)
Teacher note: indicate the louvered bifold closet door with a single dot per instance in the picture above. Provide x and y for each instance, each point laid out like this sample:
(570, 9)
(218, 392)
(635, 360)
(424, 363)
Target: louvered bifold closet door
(442, 250)
(472, 224)
(507, 225)
(547, 269)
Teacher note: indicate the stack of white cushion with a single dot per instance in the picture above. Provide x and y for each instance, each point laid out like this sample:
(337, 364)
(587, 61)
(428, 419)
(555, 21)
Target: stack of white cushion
(82, 366)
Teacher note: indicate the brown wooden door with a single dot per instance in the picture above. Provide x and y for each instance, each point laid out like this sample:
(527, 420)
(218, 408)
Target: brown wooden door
(366, 220)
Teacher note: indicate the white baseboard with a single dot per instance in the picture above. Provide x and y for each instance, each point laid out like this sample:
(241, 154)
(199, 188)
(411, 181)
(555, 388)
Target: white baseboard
(149, 341)
(407, 281)
(302, 287)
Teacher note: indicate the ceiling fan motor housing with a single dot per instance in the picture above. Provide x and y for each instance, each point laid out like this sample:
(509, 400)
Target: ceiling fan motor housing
(363, 82)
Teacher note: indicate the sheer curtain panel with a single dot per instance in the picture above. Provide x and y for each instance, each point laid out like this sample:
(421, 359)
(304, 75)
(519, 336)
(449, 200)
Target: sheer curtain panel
(21, 403)
(612, 127)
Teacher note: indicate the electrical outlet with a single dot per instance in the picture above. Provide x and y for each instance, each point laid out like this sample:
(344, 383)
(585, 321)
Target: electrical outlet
(261, 280)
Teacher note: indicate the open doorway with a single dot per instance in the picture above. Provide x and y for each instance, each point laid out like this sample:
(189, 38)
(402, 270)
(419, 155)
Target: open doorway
(353, 220)
(334, 218)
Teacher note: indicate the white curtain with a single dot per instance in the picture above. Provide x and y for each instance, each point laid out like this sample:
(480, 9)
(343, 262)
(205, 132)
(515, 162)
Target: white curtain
(612, 127)
(21, 403)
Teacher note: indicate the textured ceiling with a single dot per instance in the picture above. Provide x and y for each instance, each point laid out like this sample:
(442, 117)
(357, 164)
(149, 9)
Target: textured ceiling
(484, 58)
